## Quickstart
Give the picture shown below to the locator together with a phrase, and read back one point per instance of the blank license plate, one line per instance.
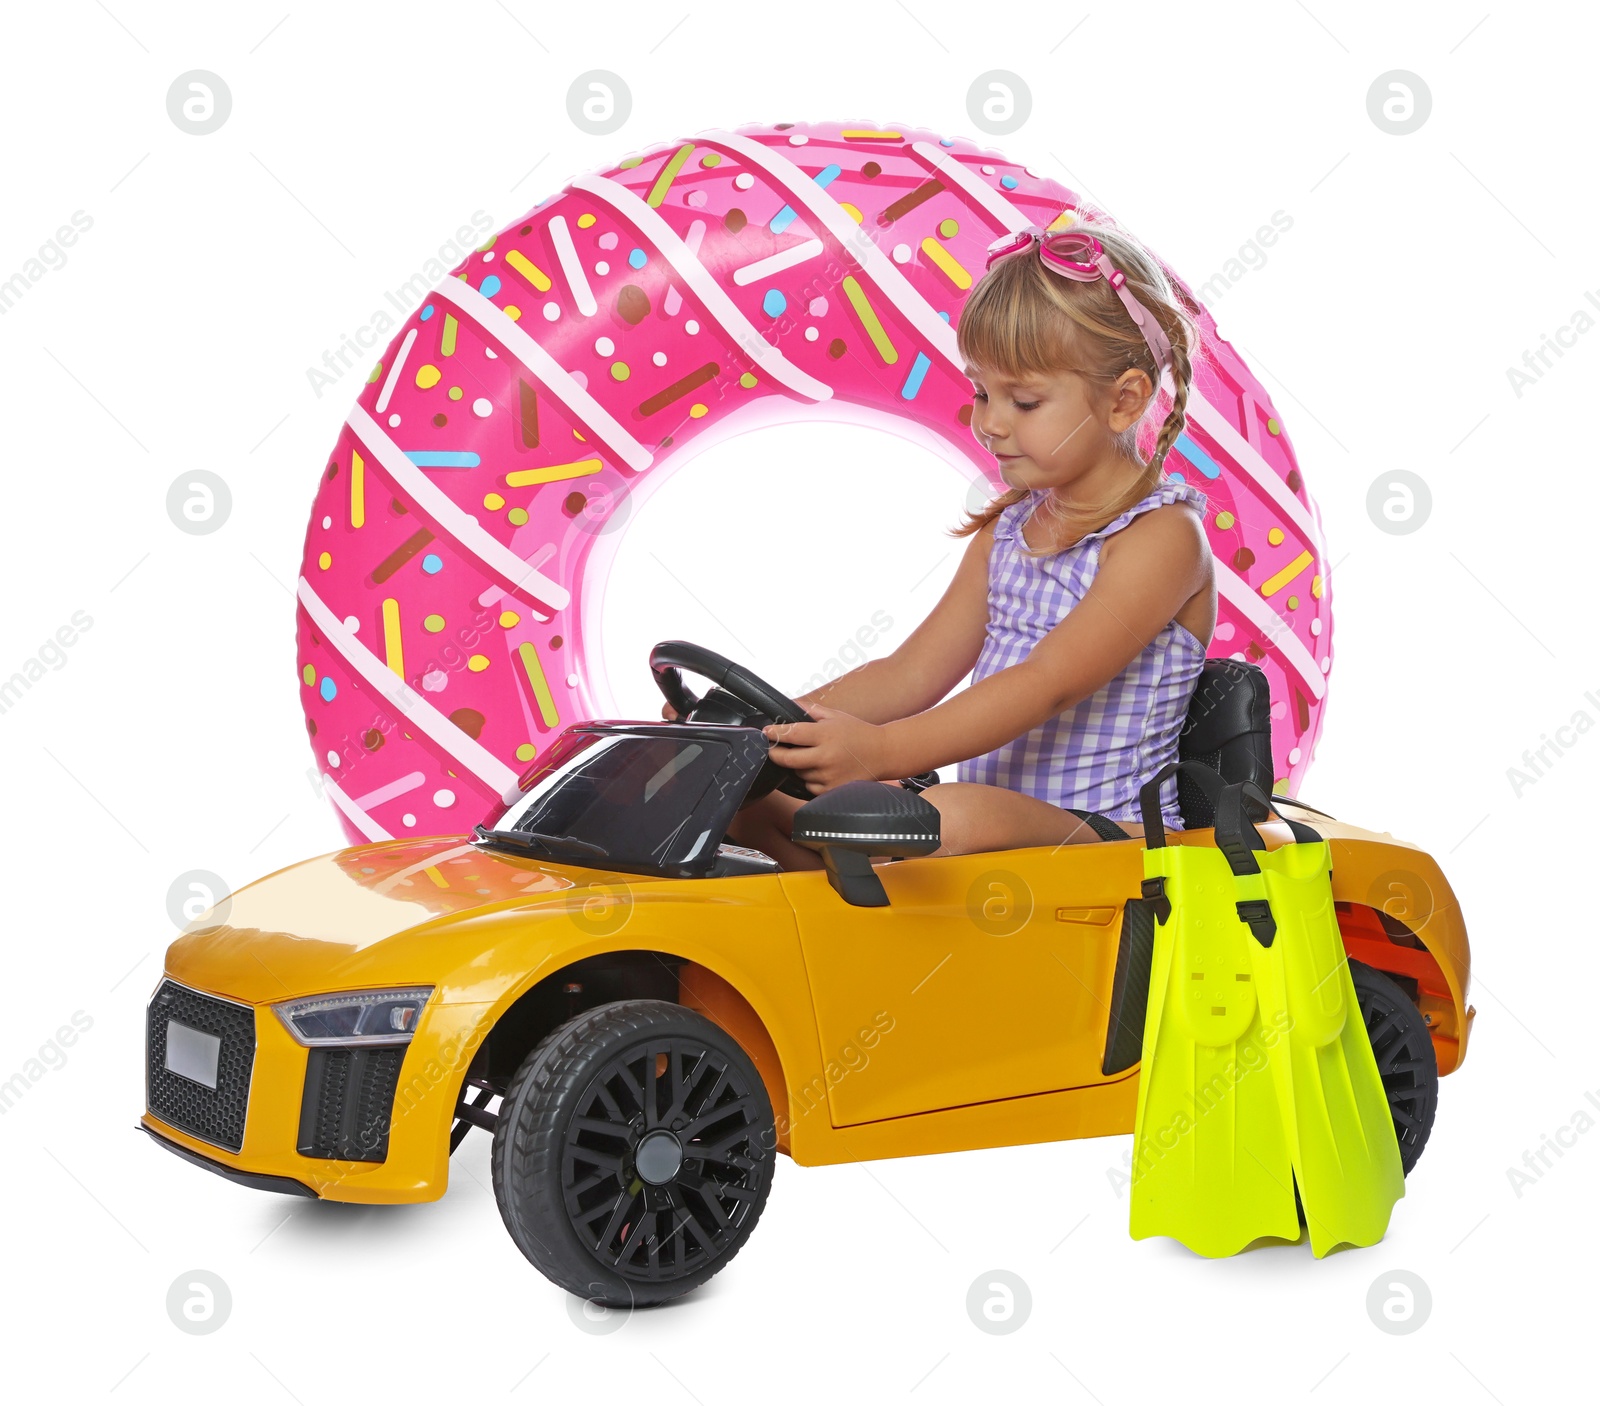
(193, 1053)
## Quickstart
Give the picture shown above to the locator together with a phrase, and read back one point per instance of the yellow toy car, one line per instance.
(644, 1016)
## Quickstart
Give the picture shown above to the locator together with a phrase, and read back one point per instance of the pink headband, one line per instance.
(1078, 255)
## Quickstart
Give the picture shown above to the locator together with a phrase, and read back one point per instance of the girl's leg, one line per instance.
(973, 819)
(765, 825)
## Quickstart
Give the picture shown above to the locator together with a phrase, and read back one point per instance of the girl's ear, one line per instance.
(1130, 396)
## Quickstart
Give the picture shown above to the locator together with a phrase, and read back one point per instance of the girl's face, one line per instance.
(1048, 431)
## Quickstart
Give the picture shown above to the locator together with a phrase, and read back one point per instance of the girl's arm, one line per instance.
(934, 658)
(1161, 560)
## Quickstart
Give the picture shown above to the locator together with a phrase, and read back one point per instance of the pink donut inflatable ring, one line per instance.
(456, 553)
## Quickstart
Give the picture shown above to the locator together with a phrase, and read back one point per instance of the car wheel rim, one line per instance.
(662, 1164)
(1403, 1066)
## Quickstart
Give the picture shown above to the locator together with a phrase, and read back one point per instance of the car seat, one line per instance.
(1229, 728)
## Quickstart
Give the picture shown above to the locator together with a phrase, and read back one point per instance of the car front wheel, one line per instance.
(633, 1152)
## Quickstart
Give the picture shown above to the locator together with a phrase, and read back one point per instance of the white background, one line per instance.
(219, 268)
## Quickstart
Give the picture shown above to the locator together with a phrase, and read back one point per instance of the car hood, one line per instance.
(364, 915)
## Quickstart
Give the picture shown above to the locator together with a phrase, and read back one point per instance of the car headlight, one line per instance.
(355, 1017)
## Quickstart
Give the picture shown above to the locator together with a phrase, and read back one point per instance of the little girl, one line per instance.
(1085, 601)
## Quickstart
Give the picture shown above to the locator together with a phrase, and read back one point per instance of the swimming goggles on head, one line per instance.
(1078, 255)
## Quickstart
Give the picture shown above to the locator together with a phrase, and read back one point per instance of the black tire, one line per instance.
(567, 1148)
(1405, 1055)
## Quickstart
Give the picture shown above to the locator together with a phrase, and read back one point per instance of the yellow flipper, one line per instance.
(1336, 1116)
(1257, 1076)
(1211, 1164)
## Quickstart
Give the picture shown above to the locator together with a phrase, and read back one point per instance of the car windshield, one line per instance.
(618, 798)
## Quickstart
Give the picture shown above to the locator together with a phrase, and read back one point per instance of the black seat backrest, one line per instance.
(1229, 728)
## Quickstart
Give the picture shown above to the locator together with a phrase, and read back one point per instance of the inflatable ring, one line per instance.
(456, 551)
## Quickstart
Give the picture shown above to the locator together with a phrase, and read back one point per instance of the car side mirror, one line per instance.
(862, 818)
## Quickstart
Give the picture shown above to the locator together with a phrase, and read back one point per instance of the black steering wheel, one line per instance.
(739, 697)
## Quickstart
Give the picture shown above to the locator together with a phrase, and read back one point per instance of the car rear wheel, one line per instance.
(1406, 1060)
(633, 1152)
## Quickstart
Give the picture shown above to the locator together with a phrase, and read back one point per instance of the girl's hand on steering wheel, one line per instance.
(669, 713)
(836, 748)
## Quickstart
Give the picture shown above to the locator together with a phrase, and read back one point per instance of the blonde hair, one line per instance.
(1023, 320)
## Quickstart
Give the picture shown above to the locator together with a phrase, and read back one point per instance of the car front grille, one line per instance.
(213, 1115)
(348, 1101)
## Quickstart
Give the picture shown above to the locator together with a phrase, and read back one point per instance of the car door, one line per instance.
(986, 977)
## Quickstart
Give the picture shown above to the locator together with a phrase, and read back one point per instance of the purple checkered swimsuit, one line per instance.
(1096, 754)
